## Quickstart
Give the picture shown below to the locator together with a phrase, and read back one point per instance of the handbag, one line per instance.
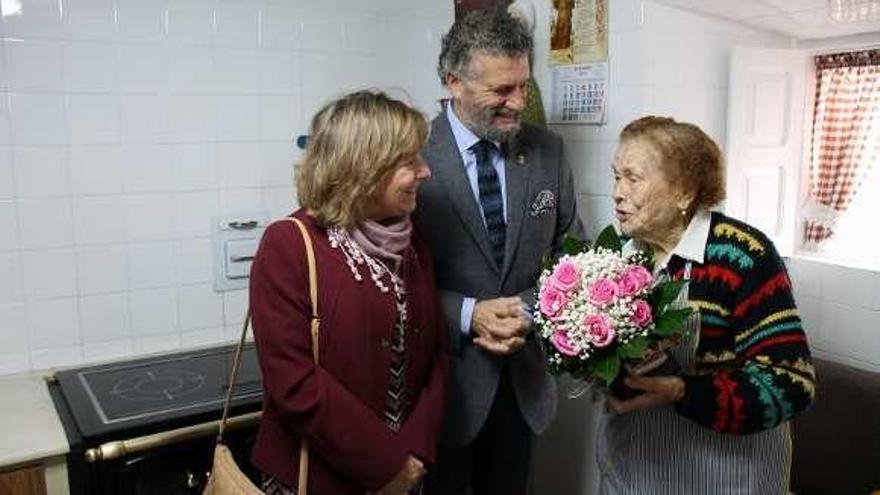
(226, 477)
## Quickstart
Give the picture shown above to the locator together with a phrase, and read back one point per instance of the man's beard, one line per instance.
(480, 123)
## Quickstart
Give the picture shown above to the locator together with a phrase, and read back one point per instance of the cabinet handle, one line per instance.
(247, 225)
(121, 448)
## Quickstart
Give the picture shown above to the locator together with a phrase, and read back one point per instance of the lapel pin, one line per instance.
(521, 159)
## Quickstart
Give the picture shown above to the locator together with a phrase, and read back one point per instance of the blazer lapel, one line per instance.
(517, 181)
(449, 171)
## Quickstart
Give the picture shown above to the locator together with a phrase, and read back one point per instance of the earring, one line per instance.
(684, 213)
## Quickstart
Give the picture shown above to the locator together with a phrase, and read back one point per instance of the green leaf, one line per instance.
(573, 245)
(634, 349)
(664, 294)
(609, 239)
(606, 366)
(671, 321)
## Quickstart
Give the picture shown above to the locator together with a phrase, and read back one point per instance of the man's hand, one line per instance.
(408, 477)
(500, 325)
(658, 390)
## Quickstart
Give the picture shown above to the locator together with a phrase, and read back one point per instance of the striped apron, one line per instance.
(658, 452)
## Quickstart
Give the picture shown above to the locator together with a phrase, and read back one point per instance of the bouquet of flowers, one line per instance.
(598, 309)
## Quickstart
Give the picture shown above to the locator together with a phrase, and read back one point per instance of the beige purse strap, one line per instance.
(302, 484)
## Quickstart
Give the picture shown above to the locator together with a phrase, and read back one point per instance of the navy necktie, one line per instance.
(491, 199)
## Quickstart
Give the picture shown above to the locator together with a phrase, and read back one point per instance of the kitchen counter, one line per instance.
(29, 426)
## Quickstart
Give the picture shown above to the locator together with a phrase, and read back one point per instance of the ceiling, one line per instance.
(801, 19)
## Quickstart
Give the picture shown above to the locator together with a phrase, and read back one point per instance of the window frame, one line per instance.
(801, 250)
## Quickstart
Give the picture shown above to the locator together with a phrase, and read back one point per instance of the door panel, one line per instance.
(764, 136)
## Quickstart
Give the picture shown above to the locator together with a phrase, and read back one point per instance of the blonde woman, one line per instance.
(371, 410)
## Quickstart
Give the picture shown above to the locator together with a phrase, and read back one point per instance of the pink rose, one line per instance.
(628, 284)
(563, 344)
(641, 275)
(599, 329)
(641, 312)
(552, 301)
(566, 276)
(603, 291)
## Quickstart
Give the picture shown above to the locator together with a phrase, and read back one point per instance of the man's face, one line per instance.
(491, 95)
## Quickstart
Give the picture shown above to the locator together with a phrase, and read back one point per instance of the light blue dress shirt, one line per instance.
(464, 139)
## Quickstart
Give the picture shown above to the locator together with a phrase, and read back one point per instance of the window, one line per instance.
(840, 213)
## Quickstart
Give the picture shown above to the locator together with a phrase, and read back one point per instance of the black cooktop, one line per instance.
(157, 393)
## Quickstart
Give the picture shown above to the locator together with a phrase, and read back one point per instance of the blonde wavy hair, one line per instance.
(355, 142)
(690, 157)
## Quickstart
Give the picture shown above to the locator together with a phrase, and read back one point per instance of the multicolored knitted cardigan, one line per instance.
(753, 368)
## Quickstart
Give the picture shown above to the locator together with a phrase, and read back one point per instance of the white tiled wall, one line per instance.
(126, 124)
(840, 307)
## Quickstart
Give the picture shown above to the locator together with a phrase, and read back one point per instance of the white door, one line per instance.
(765, 130)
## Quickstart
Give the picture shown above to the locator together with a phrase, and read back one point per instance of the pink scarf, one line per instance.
(384, 242)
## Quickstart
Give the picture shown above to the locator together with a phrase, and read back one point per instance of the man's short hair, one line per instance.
(490, 31)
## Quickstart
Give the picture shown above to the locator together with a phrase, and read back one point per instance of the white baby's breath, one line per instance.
(594, 265)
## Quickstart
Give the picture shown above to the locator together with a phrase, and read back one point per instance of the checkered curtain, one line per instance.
(846, 136)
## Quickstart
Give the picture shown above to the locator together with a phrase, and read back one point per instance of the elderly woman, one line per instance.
(372, 408)
(720, 427)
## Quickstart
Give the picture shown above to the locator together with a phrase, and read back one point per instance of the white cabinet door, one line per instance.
(765, 130)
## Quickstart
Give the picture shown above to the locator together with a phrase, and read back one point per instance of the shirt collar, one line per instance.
(464, 137)
(691, 246)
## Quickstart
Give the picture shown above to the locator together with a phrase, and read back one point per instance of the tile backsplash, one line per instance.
(840, 308)
(126, 125)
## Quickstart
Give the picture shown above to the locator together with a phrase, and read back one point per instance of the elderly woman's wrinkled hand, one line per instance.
(658, 390)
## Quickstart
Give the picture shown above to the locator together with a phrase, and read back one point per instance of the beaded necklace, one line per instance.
(355, 256)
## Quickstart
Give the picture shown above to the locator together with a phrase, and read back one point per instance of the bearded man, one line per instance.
(501, 198)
